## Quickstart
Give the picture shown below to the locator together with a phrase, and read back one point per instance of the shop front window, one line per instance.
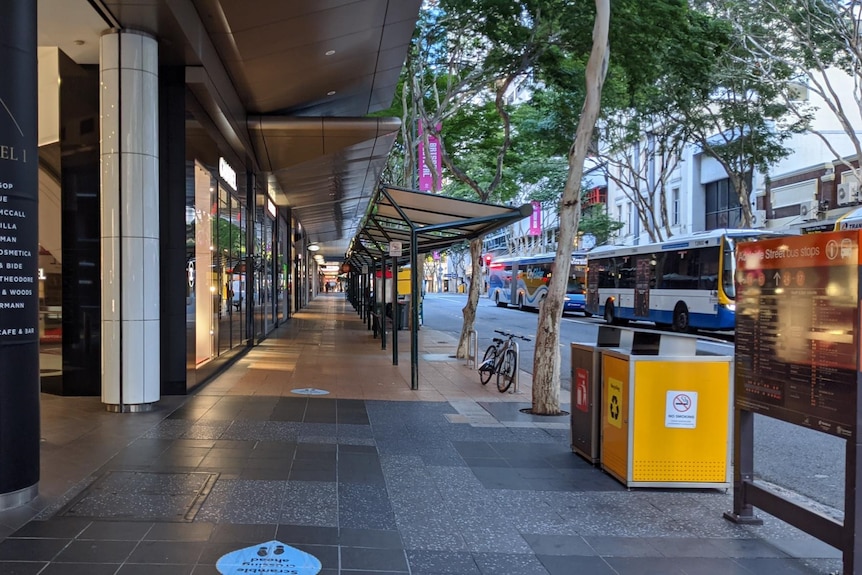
(216, 267)
(202, 267)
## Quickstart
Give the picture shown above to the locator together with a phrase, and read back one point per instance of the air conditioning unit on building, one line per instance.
(848, 193)
(758, 219)
(808, 210)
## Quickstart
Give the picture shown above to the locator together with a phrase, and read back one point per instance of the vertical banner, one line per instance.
(536, 219)
(19, 254)
(426, 181)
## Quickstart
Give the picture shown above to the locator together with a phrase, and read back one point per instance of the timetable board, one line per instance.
(797, 325)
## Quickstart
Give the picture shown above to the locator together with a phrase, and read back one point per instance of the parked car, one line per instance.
(575, 300)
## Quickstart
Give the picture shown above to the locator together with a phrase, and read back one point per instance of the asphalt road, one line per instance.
(802, 461)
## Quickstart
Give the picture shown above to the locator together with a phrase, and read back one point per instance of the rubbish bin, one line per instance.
(403, 314)
(666, 418)
(587, 382)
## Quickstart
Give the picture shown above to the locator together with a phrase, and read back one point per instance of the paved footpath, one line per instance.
(247, 475)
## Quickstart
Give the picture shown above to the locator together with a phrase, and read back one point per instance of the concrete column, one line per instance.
(130, 221)
(19, 255)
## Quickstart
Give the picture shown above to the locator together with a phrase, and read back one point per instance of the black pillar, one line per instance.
(19, 255)
(177, 340)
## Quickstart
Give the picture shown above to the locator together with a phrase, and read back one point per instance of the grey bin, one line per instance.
(587, 382)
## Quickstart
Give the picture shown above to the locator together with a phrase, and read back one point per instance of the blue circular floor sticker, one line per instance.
(271, 558)
(309, 391)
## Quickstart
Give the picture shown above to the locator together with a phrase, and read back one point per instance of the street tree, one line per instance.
(546, 358)
(810, 52)
(640, 150)
(468, 58)
(730, 113)
(596, 222)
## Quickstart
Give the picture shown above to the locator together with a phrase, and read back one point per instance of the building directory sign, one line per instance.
(19, 252)
(797, 328)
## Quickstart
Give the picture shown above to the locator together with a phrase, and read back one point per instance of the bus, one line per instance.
(684, 283)
(523, 281)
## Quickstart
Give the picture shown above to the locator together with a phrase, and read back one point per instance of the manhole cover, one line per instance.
(309, 391)
(143, 496)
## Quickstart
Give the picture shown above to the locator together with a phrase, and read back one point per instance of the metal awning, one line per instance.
(421, 223)
(438, 222)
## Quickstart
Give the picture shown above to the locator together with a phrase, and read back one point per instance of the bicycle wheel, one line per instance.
(486, 368)
(506, 371)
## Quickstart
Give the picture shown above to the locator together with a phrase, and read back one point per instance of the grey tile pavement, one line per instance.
(373, 487)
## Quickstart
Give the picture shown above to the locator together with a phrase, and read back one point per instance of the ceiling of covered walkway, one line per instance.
(289, 84)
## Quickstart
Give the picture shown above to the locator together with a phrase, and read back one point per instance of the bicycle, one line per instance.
(501, 358)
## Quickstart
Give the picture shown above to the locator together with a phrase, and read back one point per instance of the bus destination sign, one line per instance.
(797, 321)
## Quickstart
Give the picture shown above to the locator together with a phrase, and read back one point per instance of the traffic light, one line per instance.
(487, 259)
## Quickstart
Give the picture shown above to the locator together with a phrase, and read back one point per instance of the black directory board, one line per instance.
(797, 326)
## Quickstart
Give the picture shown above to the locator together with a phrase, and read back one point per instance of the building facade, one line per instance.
(163, 174)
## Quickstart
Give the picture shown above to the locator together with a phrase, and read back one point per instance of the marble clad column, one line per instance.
(19, 255)
(130, 220)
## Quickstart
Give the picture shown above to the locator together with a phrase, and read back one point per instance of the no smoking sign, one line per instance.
(681, 409)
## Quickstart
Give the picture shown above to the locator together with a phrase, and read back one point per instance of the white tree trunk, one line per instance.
(469, 309)
(546, 361)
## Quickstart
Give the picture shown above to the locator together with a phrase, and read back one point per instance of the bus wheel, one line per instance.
(680, 318)
(497, 300)
(609, 312)
(521, 303)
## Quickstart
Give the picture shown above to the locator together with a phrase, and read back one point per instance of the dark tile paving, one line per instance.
(379, 487)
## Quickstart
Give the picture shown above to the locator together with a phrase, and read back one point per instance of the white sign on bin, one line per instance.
(395, 249)
(681, 410)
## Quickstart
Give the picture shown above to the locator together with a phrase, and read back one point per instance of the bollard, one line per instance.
(472, 349)
(515, 386)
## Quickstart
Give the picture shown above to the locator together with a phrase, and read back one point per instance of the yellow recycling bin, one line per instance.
(666, 419)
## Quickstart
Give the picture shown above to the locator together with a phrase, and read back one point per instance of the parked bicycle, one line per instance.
(501, 358)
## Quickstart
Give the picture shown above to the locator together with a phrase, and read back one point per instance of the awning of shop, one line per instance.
(419, 222)
(852, 220)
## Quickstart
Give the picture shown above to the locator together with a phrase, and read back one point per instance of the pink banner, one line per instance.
(425, 178)
(536, 219)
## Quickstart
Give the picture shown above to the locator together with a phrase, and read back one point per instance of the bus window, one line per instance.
(574, 286)
(709, 269)
(729, 270)
(627, 272)
(680, 270)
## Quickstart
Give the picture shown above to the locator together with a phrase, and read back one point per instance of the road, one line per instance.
(442, 311)
(803, 461)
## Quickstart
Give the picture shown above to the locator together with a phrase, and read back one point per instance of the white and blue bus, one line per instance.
(523, 281)
(685, 283)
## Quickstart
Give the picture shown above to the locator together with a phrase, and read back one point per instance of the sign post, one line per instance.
(797, 360)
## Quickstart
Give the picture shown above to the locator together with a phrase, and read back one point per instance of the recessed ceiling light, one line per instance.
(78, 42)
(329, 52)
(331, 93)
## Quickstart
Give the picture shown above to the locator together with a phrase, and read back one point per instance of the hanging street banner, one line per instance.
(535, 219)
(426, 180)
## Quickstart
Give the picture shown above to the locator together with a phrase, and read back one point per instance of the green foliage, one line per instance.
(598, 223)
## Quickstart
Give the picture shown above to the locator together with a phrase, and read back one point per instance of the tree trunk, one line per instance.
(469, 309)
(546, 360)
(744, 200)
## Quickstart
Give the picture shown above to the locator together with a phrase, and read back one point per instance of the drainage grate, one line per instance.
(143, 496)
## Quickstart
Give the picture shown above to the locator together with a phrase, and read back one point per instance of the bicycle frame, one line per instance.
(498, 363)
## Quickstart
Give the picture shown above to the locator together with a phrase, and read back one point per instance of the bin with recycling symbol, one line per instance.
(666, 418)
